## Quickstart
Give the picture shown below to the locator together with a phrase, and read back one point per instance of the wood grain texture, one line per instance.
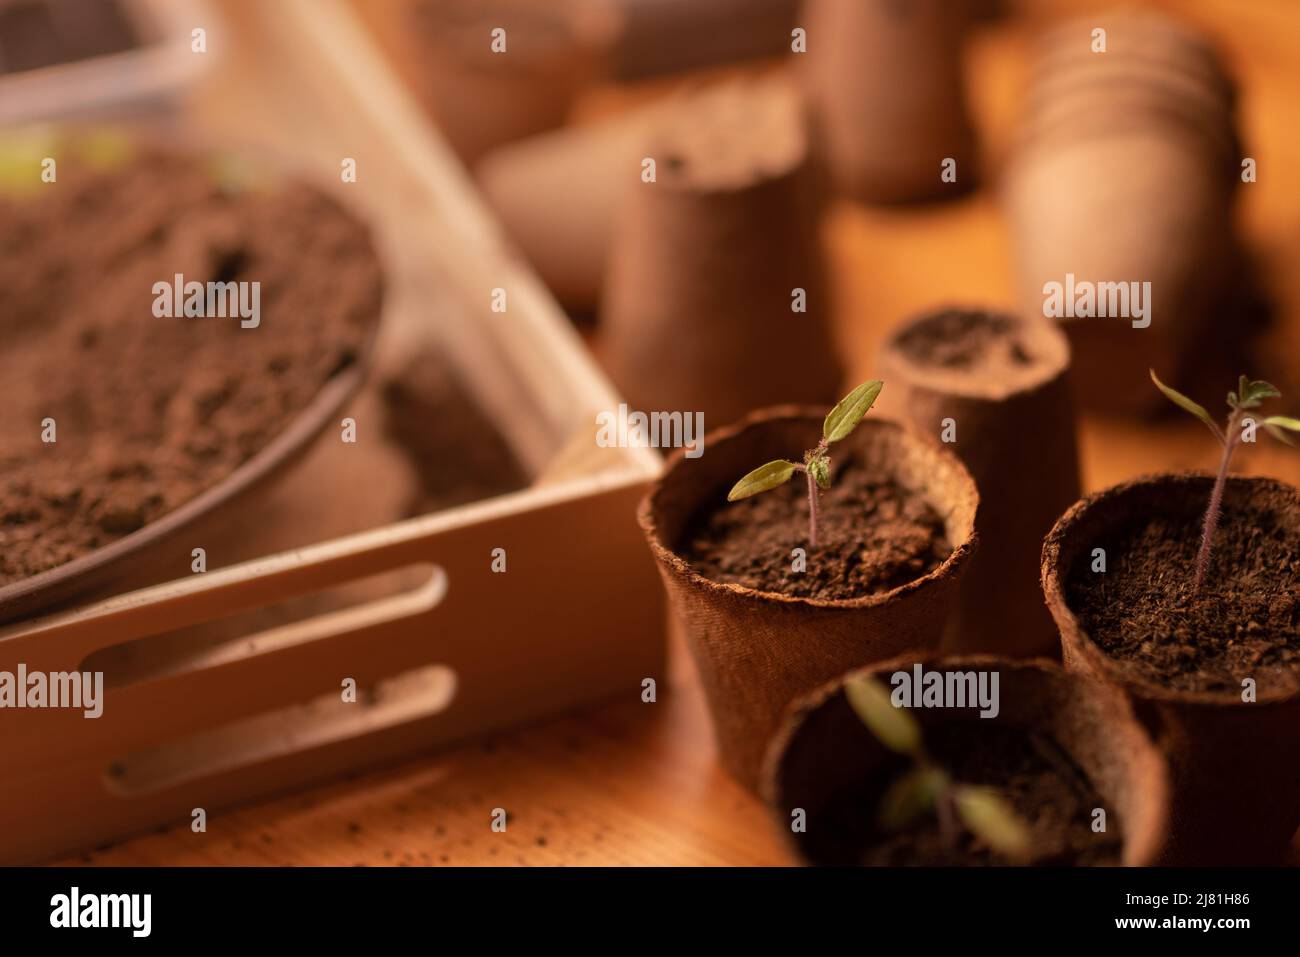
(636, 783)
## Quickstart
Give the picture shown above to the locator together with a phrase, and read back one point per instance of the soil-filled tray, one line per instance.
(415, 562)
(178, 325)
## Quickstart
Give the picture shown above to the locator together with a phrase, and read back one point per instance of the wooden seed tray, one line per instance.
(457, 649)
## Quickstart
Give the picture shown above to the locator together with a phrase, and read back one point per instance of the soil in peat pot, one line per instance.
(37, 33)
(150, 411)
(875, 536)
(1048, 791)
(966, 340)
(1244, 621)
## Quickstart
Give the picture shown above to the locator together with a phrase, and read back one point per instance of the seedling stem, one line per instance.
(926, 787)
(812, 510)
(1248, 395)
(816, 465)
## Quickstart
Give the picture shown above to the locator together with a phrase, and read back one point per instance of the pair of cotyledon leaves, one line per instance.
(840, 421)
(920, 789)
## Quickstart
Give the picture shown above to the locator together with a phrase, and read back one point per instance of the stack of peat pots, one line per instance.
(1126, 174)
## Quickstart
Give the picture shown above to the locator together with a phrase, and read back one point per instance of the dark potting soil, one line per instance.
(962, 339)
(37, 33)
(457, 452)
(150, 411)
(874, 535)
(1048, 791)
(1244, 622)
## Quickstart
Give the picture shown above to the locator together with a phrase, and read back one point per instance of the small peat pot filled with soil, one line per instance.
(1218, 667)
(1185, 590)
(767, 613)
(967, 761)
(177, 326)
(993, 386)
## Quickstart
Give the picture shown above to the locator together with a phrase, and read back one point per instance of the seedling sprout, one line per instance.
(1249, 395)
(927, 788)
(816, 465)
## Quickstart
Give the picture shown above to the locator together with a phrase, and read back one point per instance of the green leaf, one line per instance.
(1274, 424)
(820, 467)
(910, 796)
(846, 415)
(992, 820)
(762, 479)
(893, 727)
(1252, 393)
(1180, 400)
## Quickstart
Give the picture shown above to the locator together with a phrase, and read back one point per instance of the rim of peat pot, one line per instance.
(1142, 773)
(1046, 344)
(1107, 509)
(965, 493)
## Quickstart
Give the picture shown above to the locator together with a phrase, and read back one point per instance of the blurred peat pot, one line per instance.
(560, 195)
(1121, 194)
(716, 299)
(499, 70)
(884, 85)
(1059, 747)
(995, 386)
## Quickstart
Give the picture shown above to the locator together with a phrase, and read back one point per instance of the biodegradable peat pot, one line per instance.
(1125, 174)
(700, 306)
(483, 96)
(1183, 655)
(996, 386)
(757, 649)
(559, 195)
(884, 85)
(672, 36)
(1059, 746)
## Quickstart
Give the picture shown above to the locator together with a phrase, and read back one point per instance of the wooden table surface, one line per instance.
(635, 783)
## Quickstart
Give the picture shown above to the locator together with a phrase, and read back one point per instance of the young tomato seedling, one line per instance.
(1248, 396)
(816, 465)
(927, 787)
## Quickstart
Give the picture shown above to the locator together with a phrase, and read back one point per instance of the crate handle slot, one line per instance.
(377, 599)
(413, 695)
